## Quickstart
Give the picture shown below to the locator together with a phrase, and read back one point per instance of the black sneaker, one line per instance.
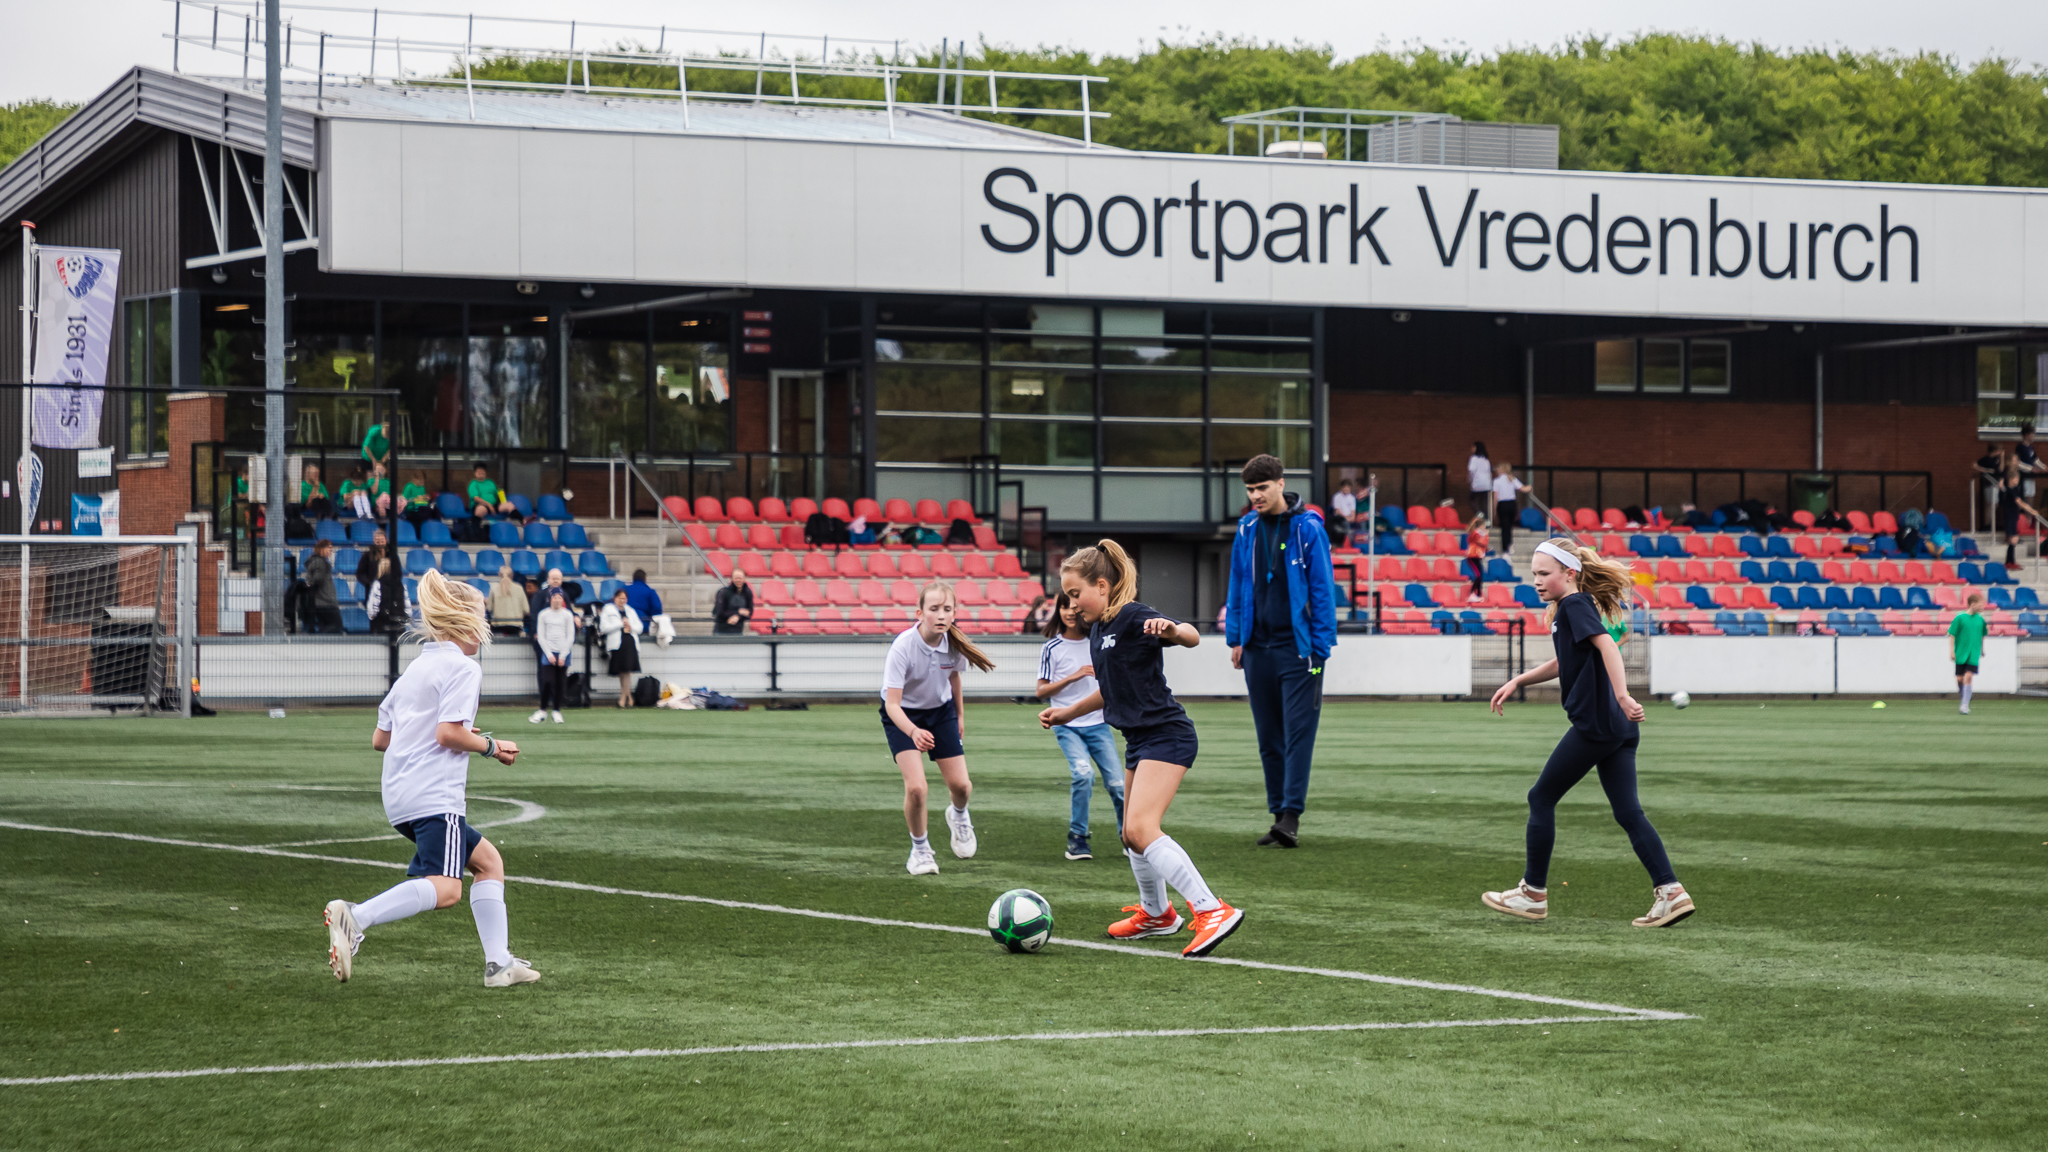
(1077, 848)
(1287, 830)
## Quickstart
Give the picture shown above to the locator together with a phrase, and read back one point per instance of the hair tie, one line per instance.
(1561, 556)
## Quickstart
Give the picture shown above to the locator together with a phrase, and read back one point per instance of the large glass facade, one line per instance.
(146, 332)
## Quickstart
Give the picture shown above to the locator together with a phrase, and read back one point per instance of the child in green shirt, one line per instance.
(1966, 646)
(417, 503)
(486, 499)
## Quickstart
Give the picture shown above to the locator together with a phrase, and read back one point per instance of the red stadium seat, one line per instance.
(930, 511)
(1913, 572)
(1727, 597)
(773, 593)
(1584, 520)
(754, 565)
(865, 623)
(874, 593)
(1725, 545)
(1669, 572)
(1805, 546)
(1859, 523)
(720, 563)
(1671, 599)
(882, 566)
(1696, 545)
(1612, 518)
(793, 536)
(974, 566)
(731, 536)
(903, 593)
(763, 538)
(1697, 572)
(1832, 545)
(1834, 572)
(802, 508)
(773, 510)
(1614, 546)
(677, 507)
(944, 566)
(741, 509)
(961, 510)
(849, 567)
(866, 506)
(842, 593)
(1419, 516)
(1884, 522)
(836, 508)
(818, 566)
(1753, 598)
(1007, 567)
(1444, 570)
(1421, 543)
(999, 592)
(709, 510)
(1803, 518)
(1888, 573)
(1447, 544)
(1500, 596)
(1942, 572)
(701, 535)
(797, 623)
(834, 624)
(985, 538)
(1446, 517)
(968, 593)
(914, 567)
(1725, 573)
(898, 511)
(1860, 572)
(763, 623)
(786, 565)
(808, 594)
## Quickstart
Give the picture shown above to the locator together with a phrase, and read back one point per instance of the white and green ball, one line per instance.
(1681, 699)
(1020, 920)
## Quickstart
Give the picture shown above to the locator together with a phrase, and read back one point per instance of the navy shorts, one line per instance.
(940, 722)
(1172, 742)
(1962, 668)
(444, 844)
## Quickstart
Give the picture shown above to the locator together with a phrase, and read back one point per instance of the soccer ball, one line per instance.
(1020, 920)
(1680, 699)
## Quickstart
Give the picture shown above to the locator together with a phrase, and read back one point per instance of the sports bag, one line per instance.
(646, 692)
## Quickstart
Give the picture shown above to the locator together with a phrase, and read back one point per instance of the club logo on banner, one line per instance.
(74, 327)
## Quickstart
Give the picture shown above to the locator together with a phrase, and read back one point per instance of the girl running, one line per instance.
(1582, 589)
(922, 712)
(1067, 675)
(1125, 645)
(423, 729)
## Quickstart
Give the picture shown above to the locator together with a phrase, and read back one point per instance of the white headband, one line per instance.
(1561, 556)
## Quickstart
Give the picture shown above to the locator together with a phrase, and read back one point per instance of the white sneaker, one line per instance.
(1965, 709)
(517, 972)
(556, 716)
(962, 828)
(1521, 900)
(1668, 905)
(537, 716)
(343, 938)
(922, 862)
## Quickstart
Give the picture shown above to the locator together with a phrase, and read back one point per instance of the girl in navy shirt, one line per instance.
(1126, 641)
(1582, 588)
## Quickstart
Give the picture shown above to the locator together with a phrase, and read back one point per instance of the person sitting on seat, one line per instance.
(509, 604)
(647, 602)
(313, 501)
(380, 490)
(733, 607)
(355, 493)
(419, 500)
(486, 499)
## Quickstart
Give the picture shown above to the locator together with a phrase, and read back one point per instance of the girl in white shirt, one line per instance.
(424, 732)
(1066, 675)
(1479, 474)
(920, 688)
(554, 633)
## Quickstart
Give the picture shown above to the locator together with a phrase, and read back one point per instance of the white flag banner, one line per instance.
(74, 326)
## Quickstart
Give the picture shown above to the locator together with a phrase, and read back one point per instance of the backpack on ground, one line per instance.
(716, 701)
(577, 690)
(646, 692)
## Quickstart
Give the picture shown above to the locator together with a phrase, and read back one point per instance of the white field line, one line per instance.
(1098, 945)
(820, 1046)
(528, 810)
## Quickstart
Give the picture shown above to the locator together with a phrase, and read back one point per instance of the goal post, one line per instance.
(97, 622)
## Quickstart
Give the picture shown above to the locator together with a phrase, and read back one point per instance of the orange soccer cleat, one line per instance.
(1211, 927)
(1139, 924)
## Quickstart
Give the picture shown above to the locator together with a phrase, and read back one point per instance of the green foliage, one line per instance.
(24, 123)
(1651, 103)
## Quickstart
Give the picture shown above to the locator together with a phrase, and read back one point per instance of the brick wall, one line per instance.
(156, 496)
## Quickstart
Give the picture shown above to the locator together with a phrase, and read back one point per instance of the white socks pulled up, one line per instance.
(1151, 889)
(1170, 862)
(487, 904)
(411, 898)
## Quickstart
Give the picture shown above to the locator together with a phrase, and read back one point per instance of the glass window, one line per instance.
(229, 341)
(147, 331)
(1286, 357)
(423, 359)
(334, 338)
(1998, 371)
(692, 405)
(1043, 442)
(1238, 442)
(1614, 366)
(913, 438)
(931, 312)
(1152, 445)
(1258, 398)
(1706, 366)
(1043, 391)
(917, 388)
(508, 393)
(607, 387)
(926, 346)
(1663, 365)
(136, 333)
(1155, 396)
(1151, 354)
(1044, 352)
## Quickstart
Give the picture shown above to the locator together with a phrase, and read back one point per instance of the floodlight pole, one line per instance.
(273, 324)
(23, 474)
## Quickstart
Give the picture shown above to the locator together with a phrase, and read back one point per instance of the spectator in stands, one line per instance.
(733, 607)
(2009, 505)
(1507, 494)
(380, 490)
(1990, 470)
(619, 624)
(355, 493)
(366, 568)
(486, 499)
(377, 447)
(387, 605)
(509, 606)
(642, 596)
(314, 503)
(1281, 624)
(325, 611)
(2030, 462)
(554, 636)
(858, 532)
(1479, 478)
(1475, 555)
(1344, 511)
(419, 500)
(1040, 617)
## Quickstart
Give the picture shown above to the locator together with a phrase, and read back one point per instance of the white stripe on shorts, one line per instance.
(448, 853)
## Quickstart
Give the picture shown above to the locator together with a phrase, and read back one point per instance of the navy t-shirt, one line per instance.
(1130, 670)
(1272, 609)
(1582, 675)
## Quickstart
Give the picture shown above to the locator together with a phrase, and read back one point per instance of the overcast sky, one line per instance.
(72, 49)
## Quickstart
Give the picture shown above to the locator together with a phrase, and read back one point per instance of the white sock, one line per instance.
(1151, 889)
(1966, 694)
(487, 904)
(1171, 862)
(920, 842)
(408, 899)
(956, 812)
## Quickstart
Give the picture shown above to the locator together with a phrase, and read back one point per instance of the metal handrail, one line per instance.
(661, 510)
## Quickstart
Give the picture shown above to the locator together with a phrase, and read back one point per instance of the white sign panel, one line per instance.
(441, 199)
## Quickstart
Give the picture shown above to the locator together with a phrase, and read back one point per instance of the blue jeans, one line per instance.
(1097, 742)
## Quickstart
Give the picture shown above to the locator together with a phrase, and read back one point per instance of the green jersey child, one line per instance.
(1966, 645)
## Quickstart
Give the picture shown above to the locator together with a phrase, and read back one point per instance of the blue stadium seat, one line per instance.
(559, 559)
(456, 562)
(609, 589)
(1782, 597)
(1999, 598)
(1883, 546)
(1418, 596)
(1525, 595)
(363, 532)
(1807, 572)
(330, 530)
(1970, 572)
(1855, 542)
(1838, 622)
(1937, 522)
(1391, 544)
(489, 561)
(585, 592)
(346, 591)
(551, 507)
(522, 505)
(412, 590)
(1779, 572)
(1752, 547)
(1837, 597)
(1890, 599)
(419, 562)
(593, 563)
(1995, 573)
(1779, 547)
(2024, 597)
(1863, 598)
(1918, 600)
(408, 536)
(435, 534)
(572, 535)
(540, 536)
(1808, 597)
(2033, 625)
(1499, 571)
(354, 621)
(1728, 624)
(1444, 622)
(1395, 518)
(1753, 571)
(1755, 624)
(505, 534)
(1697, 597)
(482, 586)
(296, 539)
(1641, 545)
(1868, 623)
(1531, 519)
(525, 564)
(347, 559)
(450, 506)
(1473, 624)
(1669, 547)
(1967, 546)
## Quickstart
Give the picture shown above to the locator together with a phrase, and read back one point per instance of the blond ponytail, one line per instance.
(1106, 561)
(959, 640)
(451, 612)
(1609, 582)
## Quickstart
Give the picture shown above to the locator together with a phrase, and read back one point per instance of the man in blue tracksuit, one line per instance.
(1280, 623)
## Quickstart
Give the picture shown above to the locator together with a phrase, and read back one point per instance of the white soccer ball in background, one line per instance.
(1680, 699)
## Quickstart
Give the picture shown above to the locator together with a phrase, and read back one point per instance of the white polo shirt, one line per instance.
(1059, 659)
(924, 671)
(421, 778)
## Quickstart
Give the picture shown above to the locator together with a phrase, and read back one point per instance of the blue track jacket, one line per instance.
(1311, 587)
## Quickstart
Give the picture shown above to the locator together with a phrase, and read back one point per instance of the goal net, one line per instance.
(90, 625)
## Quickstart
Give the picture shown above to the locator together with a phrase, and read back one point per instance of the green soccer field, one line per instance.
(1866, 969)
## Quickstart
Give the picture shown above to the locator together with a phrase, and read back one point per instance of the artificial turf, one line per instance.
(1865, 971)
